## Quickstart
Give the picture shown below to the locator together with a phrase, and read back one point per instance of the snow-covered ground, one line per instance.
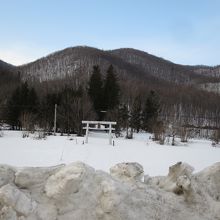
(155, 158)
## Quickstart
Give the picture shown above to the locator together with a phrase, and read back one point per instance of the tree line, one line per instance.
(101, 99)
(105, 96)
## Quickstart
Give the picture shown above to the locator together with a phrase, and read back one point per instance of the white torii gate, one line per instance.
(98, 123)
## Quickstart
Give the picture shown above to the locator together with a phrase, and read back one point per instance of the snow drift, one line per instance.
(77, 191)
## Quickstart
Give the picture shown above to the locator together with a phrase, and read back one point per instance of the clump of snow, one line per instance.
(178, 176)
(16, 199)
(29, 176)
(127, 171)
(7, 175)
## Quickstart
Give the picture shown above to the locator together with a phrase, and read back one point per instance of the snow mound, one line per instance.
(127, 171)
(77, 191)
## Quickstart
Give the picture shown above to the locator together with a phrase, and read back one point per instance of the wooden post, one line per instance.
(87, 133)
(110, 134)
(55, 119)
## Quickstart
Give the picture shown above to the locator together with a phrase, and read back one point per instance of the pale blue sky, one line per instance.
(183, 31)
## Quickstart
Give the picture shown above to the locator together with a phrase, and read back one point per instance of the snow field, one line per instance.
(155, 158)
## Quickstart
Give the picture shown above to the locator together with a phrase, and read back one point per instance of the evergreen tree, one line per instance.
(136, 114)
(67, 98)
(29, 106)
(24, 97)
(122, 118)
(70, 111)
(14, 109)
(151, 111)
(95, 91)
(111, 89)
(46, 110)
(33, 102)
(21, 106)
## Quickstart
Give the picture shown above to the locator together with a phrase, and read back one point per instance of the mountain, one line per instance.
(78, 62)
(134, 67)
(158, 67)
(6, 66)
(187, 93)
(9, 79)
(207, 70)
(8, 73)
(127, 61)
(7, 70)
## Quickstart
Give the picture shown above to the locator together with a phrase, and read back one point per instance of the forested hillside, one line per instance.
(63, 78)
(9, 80)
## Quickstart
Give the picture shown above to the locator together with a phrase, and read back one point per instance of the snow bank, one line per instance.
(77, 191)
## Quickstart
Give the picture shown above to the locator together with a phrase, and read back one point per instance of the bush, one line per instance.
(184, 134)
(159, 132)
(40, 135)
(216, 136)
(25, 134)
(1, 133)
